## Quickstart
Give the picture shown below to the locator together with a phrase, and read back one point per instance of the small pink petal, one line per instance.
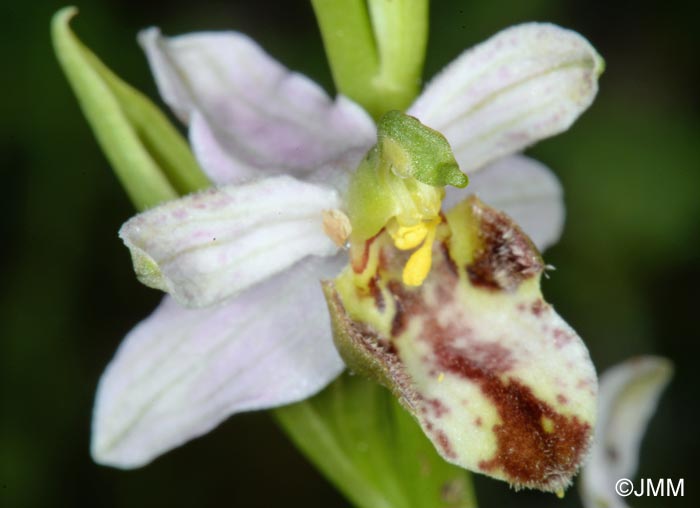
(524, 84)
(246, 111)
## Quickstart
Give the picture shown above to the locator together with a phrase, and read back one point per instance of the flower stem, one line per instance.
(376, 49)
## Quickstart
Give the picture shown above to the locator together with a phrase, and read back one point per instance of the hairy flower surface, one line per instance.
(245, 325)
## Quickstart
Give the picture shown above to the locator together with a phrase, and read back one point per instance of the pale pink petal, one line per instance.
(246, 111)
(181, 372)
(524, 84)
(523, 188)
(629, 394)
(209, 246)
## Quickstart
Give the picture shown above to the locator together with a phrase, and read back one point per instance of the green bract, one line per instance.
(147, 153)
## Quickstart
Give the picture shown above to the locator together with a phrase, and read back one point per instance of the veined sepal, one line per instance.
(496, 379)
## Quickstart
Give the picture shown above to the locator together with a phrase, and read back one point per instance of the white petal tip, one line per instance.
(629, 394)
(524, 84)
(207, 247)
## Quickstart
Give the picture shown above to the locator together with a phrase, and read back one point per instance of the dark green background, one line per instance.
(627, 267)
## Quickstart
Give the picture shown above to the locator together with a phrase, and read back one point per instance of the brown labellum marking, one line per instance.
(538, 307)
(437, 407)
(486, 357)
(528, 450)
(445, 444)
(402, 314)
(360, 264)
(363, 349)
(449, 262)
(536, 446)
(506, 257)
(376, 293)
(561, 337)
(387, 346)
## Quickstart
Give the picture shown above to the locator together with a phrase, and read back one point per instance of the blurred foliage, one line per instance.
(627, 268)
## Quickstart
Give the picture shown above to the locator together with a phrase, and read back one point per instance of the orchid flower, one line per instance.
(500, 383)
(629, 394)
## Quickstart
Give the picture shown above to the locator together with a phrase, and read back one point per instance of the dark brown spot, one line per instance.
(526, 452)
(449, 262)
(402, 315)
(386, 345)
(538, 307)
(359, 262)
(486, 357)
(376, 293)
(507, 257)
(478, 422)
(561, 399)
(439, 409)
(561, 338)
(445, 444)
(400, 321)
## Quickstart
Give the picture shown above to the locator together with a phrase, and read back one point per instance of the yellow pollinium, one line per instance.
(410, 237)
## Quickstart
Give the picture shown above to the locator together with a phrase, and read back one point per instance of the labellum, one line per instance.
(496, 379)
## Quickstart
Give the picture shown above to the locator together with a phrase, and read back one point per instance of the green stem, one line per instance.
(376, 49)
(309, 429)
(358, 435)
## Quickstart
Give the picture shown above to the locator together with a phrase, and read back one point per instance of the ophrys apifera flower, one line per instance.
(245, 325)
